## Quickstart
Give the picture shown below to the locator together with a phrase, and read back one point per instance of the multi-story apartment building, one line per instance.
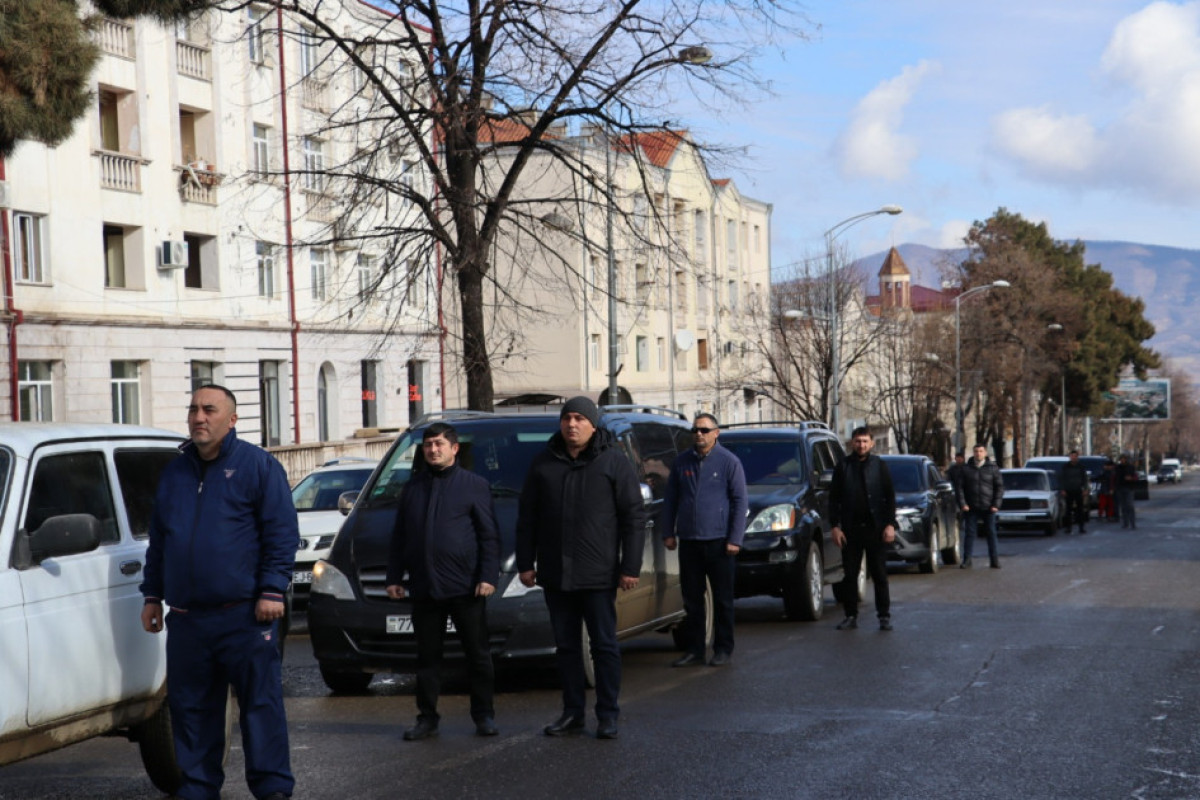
(187, 233)
(691, 269)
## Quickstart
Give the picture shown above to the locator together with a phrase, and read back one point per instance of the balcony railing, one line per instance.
(114, 37)
(198, 185)
(193, 60)
(119, 171)
(315, 94)
(319, 206)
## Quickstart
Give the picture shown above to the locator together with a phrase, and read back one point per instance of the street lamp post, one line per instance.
(959, 432)
(834, 349)
(1054, 326)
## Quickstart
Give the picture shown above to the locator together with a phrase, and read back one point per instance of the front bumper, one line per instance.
(1025, 520)
(766, 562)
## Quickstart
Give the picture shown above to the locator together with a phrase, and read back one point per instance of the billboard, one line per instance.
(1141, 401)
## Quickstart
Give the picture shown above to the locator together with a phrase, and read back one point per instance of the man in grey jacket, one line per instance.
(705, 509)
(980, 493)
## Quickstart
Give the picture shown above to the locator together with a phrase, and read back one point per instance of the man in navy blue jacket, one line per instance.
(446, 539)
(222, 545)
(705, 508)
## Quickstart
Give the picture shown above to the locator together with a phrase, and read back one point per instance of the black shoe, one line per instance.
(1082, 531)
(688, 660)
(606, 729)
(720, 659)
(424, 729)
(564, 725)
(486, 727)
(966, 564)
(848, 624)
(995, 563)
(885, 623)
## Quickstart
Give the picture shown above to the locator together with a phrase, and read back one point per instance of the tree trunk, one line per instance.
(476, 364)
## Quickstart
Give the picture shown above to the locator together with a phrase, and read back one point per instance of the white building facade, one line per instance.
(182, 235)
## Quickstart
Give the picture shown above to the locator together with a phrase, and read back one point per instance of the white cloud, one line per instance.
(1149, 143)
(872, 146)
(952, 234)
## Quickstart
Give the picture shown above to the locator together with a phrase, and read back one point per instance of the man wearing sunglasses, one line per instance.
(704, 510)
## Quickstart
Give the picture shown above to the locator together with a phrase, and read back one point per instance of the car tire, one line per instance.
(679, 634)
(340, 682)
(156, 746)
(804, 588)
(952, 555)
(930, 565)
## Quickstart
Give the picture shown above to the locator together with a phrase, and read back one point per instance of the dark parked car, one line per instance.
(1093, 464)
(356, 630)
(925, 499)
(787, 551)
(1168, 473)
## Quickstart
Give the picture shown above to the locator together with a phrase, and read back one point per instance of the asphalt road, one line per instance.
(1073, 672)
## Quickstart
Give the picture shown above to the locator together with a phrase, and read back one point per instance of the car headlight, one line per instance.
(1039, 504)
(773, 518)
(906, 518)
(328, 579)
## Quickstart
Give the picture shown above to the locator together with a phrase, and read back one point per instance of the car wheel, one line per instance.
(952, 555)
(931, 564)
(679, 633)
(345, 682)
(156, 746)
(804, 588)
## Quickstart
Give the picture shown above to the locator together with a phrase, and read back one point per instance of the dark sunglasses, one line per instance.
(703, 430)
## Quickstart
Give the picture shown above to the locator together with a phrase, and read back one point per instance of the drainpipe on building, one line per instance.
(287, 227)
(15, 316)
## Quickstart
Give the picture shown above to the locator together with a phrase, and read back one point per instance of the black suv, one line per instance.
(927, 511)
(787, 551)
(356, 630)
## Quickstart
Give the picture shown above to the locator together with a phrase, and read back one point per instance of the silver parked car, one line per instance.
(1030, 502)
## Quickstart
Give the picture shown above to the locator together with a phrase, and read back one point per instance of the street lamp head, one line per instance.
(1000, 284)
(893, 210)
(696, 54)
(794, 313)
(1054, 326)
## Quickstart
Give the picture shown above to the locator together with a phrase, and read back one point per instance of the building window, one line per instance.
(269, 397)
(661, 345)
(204, 373)
(314, 163)
(126, 392)
(35, 384)
(594, 351)
(114, 257)
(365, 270)
(733, 296)
(309, 52)
(701, 298)
(319, 261)
(28, 248)
(201, 271)
(700, 236)
(702, 353)
(643, 354)
(731, 245)
(681, 291)
(645, 286)
(261, 145)
(408, 170)
(255, 34)
(370, 391)
(641, 212)
(326, 382)
(264, 255)
(757, 239)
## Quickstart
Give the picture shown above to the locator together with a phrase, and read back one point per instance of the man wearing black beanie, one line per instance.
(581, 528)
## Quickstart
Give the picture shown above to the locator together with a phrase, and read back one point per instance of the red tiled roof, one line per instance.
(502, 130)
(722, 182)
(659, 146)
(923, 299)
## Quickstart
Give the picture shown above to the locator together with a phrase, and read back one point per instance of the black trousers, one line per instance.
(699, 560)
(569, 612)
(1075, 511)
(469, 615)
(860, 542)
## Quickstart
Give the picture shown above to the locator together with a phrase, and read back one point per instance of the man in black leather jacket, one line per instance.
(1074, 480)
(980, 493)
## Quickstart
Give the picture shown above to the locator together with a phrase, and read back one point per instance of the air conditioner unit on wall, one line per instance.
(173, 255)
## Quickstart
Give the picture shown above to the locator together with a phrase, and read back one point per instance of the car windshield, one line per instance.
(500, 451)
(1026, 481)
(906, 475)
(320, 491)
(766, 462)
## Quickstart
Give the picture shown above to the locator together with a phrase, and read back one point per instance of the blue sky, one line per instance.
(1084, 114)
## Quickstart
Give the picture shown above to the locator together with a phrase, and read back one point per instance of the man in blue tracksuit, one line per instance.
(705, 509)
(222, 545)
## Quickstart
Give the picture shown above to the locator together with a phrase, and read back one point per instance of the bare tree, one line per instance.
(454, 101)
(914, 386)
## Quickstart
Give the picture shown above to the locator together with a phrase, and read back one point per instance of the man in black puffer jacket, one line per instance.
(581, 528)
(980, 492)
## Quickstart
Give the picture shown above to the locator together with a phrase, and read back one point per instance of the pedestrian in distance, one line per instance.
(229, 500)
(704, 513)
(446, 540)
(1074, 480)
(1126, 481)
(955, 475)
(1106, 505)
(862, 511)
(980, 494)
(581, 527)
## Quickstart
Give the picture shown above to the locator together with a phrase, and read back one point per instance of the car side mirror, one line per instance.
(945, 486)
(647, 494)
(825, 479)
(64, 535)
(346, 501)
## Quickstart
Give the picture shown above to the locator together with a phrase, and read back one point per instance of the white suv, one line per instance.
(76, 502)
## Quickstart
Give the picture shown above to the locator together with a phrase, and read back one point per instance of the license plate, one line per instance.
(402, 623)
(302, 576)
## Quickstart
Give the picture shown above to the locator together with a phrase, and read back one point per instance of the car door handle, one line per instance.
(131, 567)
